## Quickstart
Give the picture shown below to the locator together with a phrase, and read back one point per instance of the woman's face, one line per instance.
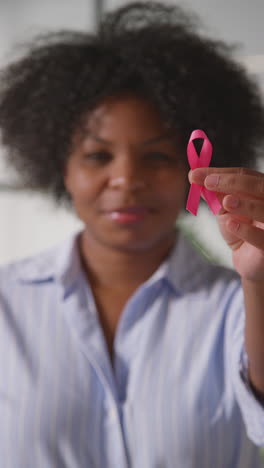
(126, 176)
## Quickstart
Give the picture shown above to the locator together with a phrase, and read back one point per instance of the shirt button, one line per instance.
(112, 414)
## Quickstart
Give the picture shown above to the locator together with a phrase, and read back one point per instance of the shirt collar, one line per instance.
(61, 263)
(183, 268)
(186, 267)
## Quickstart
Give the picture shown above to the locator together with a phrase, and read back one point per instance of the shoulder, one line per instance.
(41, 266)
(195, 272)
(211, 291)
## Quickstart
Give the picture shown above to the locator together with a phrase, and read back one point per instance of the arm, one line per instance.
(242, 226)
(254, 334)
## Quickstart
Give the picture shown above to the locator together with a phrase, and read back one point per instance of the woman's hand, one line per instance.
(241, 220)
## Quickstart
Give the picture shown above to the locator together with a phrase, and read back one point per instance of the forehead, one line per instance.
(127, 113)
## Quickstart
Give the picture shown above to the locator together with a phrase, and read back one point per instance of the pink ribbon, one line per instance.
(200, 161)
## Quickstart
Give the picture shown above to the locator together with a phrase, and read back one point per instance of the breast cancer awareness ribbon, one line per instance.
(203, 160)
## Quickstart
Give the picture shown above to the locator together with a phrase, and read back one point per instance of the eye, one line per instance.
(98, 157)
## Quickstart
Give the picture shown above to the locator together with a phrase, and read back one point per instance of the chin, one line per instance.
(138, 244)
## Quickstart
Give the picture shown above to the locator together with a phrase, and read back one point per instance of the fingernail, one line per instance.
(197, 176)
(212, 180)
(232, 202)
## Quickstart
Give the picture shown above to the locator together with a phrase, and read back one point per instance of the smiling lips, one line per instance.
(128, 215)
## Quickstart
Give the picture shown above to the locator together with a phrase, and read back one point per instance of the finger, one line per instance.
(230, 237)
(236, 184)
(220, 197)
(254, 235)
(198, 175)
(251, 208)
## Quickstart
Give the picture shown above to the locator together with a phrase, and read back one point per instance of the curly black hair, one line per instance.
(150, 49)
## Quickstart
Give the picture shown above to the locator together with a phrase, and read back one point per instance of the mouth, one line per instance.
(128, 215)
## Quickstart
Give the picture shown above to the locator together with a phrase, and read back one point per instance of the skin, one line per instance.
(124, 157)
(241, 222)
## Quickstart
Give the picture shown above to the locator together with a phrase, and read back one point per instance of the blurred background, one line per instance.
(32, 223)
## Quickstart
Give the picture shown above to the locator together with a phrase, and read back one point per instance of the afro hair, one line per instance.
(150, 49)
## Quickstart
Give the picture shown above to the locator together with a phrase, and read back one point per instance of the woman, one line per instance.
(122, 347)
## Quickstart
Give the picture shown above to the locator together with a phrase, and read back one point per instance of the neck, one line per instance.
(120, 269)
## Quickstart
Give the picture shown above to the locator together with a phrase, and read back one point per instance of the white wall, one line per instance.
(30, 224)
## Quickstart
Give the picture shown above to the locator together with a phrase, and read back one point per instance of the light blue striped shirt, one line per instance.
(174, 397)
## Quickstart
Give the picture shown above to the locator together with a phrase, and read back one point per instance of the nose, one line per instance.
(126, 175)
(125, 183)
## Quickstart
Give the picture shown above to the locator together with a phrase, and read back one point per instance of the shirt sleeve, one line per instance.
(251, 407)
(244, 373)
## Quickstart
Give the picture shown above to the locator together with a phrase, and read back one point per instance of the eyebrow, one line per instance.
(143, 143)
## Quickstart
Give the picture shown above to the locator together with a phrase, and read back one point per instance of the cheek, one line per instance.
(82, 186)
(176, 192)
